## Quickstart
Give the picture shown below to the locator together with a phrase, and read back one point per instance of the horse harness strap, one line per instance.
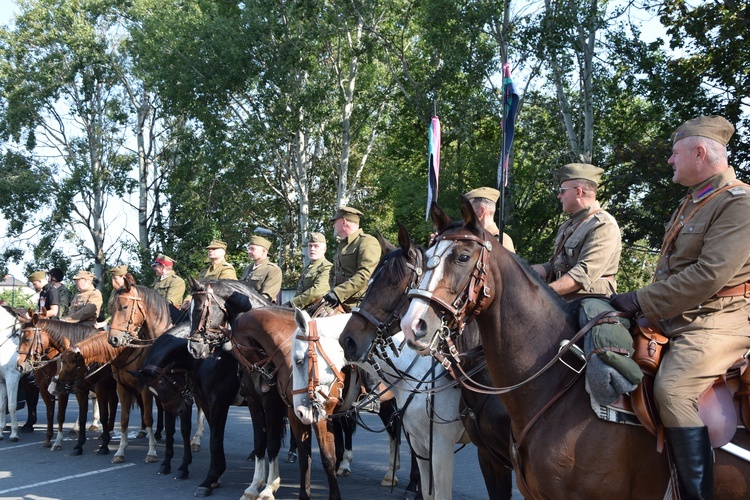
(312, 363)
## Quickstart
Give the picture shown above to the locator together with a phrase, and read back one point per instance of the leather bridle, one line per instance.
(204, 332)
(180, 391)
(37, 351)
(475, 295)
(132, 328)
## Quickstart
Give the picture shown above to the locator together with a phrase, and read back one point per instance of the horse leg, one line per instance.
(10, 394)
(218, 411)
(159, 420)
(275, 423)
(260, 442)
(32, 400)
(61, 408)
(106, 396)
(83, 410)
(327, 445)
(186, 424)
(126, 401)
(414, 488)
(96, 413)
(49, 403)
(169, 428)
(392, 423)
(195, 442)
(497, 477)
(142, 432)
(148, 419)
(348, 426)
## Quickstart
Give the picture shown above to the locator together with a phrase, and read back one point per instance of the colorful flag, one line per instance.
(510, 108)
(433, 163)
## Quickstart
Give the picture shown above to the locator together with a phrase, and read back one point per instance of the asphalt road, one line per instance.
(29, 471)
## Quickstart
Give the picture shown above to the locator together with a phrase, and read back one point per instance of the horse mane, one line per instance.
(96, 348)
(237, 293)
(394, 264)
(59, 330)
(152, 300)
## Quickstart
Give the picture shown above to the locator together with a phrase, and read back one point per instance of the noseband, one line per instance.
(473, 299)
(313, 382)
(36, 350)
(384, 329)
(180, 392)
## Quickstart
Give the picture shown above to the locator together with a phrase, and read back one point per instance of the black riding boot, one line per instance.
(692, 455)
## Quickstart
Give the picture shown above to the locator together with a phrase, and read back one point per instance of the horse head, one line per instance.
(377, 317)
(70, 368)
(139, 315)
(456, 287)
(317, 360)
(33, 344)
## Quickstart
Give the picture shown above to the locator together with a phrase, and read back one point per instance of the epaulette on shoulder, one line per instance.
(227, 264)
(738, 190)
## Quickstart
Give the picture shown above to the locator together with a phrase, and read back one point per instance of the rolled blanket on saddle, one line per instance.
(611, 370)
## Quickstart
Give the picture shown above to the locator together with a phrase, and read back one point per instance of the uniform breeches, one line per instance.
(694, 360)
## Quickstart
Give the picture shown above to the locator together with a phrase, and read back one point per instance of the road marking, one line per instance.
(67, 478)
(20, 446)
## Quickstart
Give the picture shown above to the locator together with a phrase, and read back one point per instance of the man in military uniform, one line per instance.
(356, 258)
(56, 277)
(88, 301)
(49, 297)
(168, 284)
(314, 281)
(588, 244)
(699, 294)
(219, 268)
(484, 201)
(262, 275)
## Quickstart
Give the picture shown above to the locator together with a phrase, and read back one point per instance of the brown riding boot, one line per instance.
(691, 452)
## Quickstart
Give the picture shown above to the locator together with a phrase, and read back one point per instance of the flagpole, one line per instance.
(500, 208)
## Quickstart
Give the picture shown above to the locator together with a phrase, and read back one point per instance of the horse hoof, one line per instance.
(27, 430)
(151, 459)
(164, 469)
(76, 453)
(13, 439)
(202, 491)
(117, 459)
(73, 432)
(94, 428)
(57, 447)
(47, 444)
(182, 475)
(140, 435)
(103, 451)
(195, 447)
(389, 482)
(343, 472)
(291, 457)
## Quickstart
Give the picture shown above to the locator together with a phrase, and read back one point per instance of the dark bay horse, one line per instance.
(176, 377)
(139, 316)
(375, 321)
(83, 367)
(561, 449)
(41, 341)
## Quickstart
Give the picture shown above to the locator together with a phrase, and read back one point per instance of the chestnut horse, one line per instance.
(139, 316)
(42, 341)
(176, 377)
(83, 367)
(561, 448)
(376, 319)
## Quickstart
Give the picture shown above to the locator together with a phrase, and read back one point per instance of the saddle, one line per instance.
(725, 403)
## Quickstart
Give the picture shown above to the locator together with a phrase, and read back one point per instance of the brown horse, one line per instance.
(85, 367)
(375, 321)
(560, 447)
(41, 342)
(139, 316)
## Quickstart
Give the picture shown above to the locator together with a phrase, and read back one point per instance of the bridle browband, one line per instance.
(132, 330)
(473, 299)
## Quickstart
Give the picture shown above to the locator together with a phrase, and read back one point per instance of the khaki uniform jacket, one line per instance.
(265, 277)
(711, 251)
(356, 258)
(588, 247)
(171, 287)
(85, 307)
(313, 283)
(221, 271)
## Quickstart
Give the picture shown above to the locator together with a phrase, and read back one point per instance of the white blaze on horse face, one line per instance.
(412, 323)
(300, 400)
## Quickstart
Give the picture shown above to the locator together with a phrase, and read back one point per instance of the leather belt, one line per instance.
(741, 290)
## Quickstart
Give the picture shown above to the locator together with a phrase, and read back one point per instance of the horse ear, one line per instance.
(469, 216)
(439, 218)
(385, 245)
(404, 240)
(126, 286)
(301, 318)
(196, 285)
(34, 319)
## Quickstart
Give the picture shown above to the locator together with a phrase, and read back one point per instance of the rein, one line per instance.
(132, 330)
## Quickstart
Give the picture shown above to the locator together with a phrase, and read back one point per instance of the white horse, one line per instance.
(428, 398)
(9, 376)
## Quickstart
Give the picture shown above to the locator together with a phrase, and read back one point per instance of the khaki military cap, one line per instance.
(484, 192)
(119, 271)
(316, 238)
(348, 213)
(216, 244)
(37, 276)
(260, 241)
(84, 275)
(714, 127)
(163, 260)
(579, 171)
